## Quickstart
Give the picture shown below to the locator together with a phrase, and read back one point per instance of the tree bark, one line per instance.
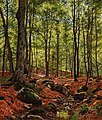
(78, 64)
(96, 55)
(7, 42)
(20, 43)
(75, 42)
(57, 49)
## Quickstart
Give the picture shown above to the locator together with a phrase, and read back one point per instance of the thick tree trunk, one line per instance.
(20, 43)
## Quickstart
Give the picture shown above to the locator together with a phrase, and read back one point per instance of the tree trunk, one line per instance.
(46, 47)
(78, 39)
(20, 43)
(7, 43)
(96, 55)
(91, 33)
(26, 40)
(84, 47)
(75, 43)
(57, 30)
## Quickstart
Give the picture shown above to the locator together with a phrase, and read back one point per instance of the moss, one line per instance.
(62, 115)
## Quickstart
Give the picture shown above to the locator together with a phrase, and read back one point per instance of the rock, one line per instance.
(51, 107)
(30, 85)
(61, 89)
(80, 96)
(18, 85)
(83, 88)
(37, 111)
(28, 96)
(33, 81)
(46, 81)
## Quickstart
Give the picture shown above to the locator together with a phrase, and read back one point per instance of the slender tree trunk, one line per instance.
(36, 57)
(78, 65)
(50, 37)
(91, 33)
(88, 47)
(96, 54)
(46, 47)
(57, 30)
(84, 47)
(30, 33)
(75, 43)
(30, 49)
(7, 43)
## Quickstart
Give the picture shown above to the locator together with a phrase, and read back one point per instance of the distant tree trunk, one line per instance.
(91, 33)
(78, 39)
(66, 46)
(57, 49)
(30, 33)
(66, 59)
(52, 62)
(88, 47)
(84, 46)
(50, 37)
(30, 49)
(32, 59)
(96, 55)
(75, 42)
(46, 47)
(20, 43)
(7, 43)
(36, 56)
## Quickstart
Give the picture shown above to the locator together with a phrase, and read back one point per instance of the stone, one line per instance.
(29, 96)
(80, 96)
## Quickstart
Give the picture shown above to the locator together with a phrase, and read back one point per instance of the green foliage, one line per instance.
(83, 108)
(5, 80)
(62, 115)
(99, 108)
(75, 116)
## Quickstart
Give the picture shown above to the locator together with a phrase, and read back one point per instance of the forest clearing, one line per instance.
(50, 59)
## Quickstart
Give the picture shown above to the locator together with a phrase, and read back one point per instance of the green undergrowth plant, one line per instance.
(83, 108)
(99, 109)
(5, 80)
(75, 116)
(62, 115)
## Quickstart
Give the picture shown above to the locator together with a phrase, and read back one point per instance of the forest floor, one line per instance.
(55, 105)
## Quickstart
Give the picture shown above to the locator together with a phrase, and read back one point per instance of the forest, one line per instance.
(50, 59)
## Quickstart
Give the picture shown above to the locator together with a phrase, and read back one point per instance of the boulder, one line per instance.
(27, 95)
(80, 96)
(61, 89)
